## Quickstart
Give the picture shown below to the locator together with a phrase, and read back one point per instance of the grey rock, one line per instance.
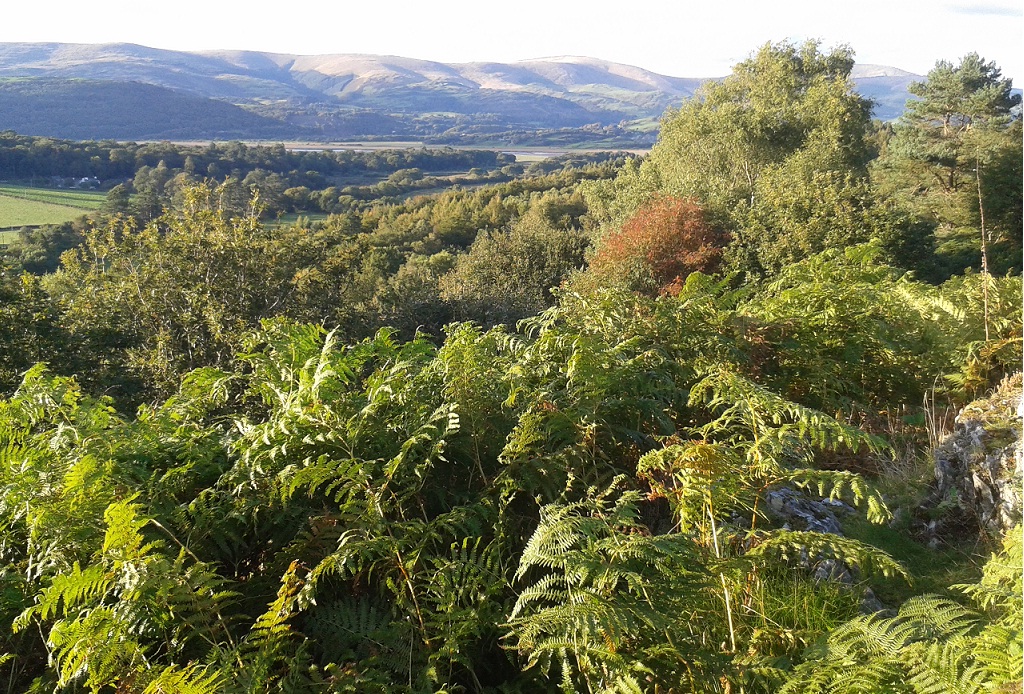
(833, 570)
(793, 509)
(870, 604)
(980, 466)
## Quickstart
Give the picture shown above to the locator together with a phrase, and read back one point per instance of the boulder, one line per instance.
(795, 511)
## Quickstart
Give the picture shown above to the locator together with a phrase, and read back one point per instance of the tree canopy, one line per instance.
(954, 158)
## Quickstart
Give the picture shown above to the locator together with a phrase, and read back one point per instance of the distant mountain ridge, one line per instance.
(351, 95)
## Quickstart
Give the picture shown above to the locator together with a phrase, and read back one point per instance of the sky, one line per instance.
(673, 37)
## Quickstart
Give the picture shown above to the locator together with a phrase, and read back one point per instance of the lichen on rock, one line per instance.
(980, 465)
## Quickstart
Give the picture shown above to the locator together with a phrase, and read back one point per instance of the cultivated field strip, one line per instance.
(23, 206)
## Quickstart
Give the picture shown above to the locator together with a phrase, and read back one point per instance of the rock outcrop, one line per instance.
(980, 466)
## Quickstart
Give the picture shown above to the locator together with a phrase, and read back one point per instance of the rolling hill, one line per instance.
(89, 109)
(131, 91)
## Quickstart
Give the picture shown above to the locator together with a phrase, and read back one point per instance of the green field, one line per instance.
(22, 206)
(293, 218)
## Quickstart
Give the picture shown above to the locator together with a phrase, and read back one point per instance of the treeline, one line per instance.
(24, 157)
(721, 192)
(783, 155)
(363, 207)
(628, 426)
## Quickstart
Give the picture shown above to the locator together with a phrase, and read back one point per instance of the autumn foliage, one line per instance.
(666, 240)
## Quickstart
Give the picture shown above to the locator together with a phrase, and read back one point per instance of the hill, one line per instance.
(248, 94)
(885, 86)
(87, 109)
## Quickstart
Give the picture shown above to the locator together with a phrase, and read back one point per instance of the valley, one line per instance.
(126, 91)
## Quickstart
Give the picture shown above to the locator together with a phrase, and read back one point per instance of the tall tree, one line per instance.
(784, 100)
(30, 329)
(657, 248)
(754, 149)
(951, 158)
(508, 275)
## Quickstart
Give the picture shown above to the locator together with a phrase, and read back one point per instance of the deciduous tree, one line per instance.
(662, 243)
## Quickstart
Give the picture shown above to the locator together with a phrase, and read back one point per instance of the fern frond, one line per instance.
(699, 479)
(793, 544)
(944, 667)
(192, 679)
(273, 624)
(96, 646)
(930, 647)
(604, 593)
(340, 480)
(939, 617)
(67, 592)
(123, 541)
(751, 410)
(999, 653)
(840, 485)
(1000, 587)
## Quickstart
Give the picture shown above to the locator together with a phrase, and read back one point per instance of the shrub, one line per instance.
(658, 247)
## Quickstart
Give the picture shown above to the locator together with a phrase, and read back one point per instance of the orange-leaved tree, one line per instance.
(662, 243)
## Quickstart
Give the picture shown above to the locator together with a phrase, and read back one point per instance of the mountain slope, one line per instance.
(594, 85)
(885, 86)
(96, 110)
(346, 95)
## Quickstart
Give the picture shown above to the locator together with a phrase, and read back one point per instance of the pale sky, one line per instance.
(673, 37)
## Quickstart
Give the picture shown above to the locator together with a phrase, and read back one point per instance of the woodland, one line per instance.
(530, 429)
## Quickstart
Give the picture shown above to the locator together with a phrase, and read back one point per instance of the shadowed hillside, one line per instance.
(90, 109)
(347, 95)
